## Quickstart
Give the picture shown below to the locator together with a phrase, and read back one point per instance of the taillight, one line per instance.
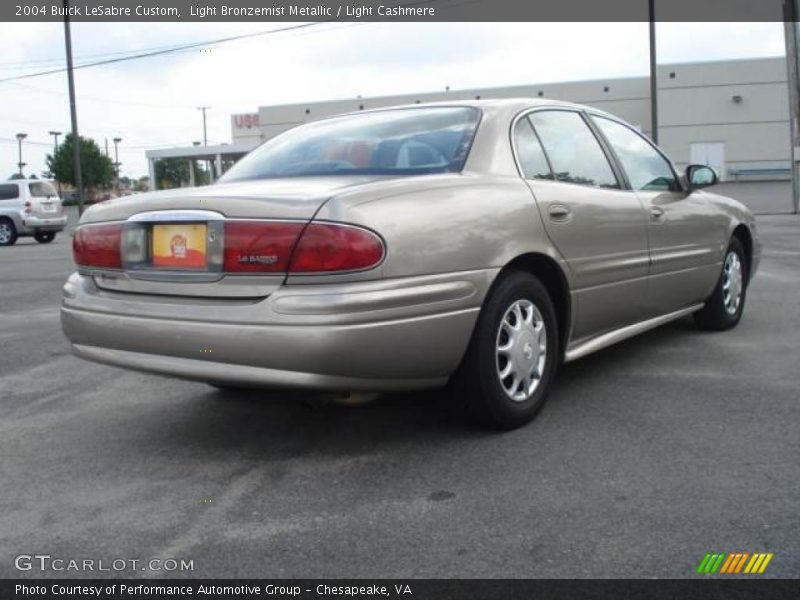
(326, 247)
(97, 245)
(28, 207)
(259, 246)
(273, 247)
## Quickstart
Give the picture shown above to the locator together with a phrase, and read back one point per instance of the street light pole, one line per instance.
(117, 140)
(76, 139)
(653, 74)
(20, 164)
(790, 17)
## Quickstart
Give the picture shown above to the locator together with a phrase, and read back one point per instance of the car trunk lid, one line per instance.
(174, 242)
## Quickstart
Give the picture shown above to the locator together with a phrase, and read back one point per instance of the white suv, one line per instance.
(30, 208)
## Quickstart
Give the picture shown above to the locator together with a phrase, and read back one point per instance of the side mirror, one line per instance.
(700, 176)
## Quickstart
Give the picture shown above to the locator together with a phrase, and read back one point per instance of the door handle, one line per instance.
(656, 213)
(558, 212)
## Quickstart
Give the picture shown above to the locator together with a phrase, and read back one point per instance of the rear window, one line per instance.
(9, 192)
(41, 189)
(392, 142)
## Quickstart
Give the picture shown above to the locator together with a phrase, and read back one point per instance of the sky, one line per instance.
(152, 102)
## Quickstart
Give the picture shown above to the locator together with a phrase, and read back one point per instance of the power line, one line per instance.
(165, 51)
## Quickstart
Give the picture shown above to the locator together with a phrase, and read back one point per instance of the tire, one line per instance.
(722, 310)
(44, 237)
(477, 388)
(8, 233)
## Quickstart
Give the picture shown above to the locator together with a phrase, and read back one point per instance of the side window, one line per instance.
(529, 152)
(9, 192)
(573, 150)
(646, 168)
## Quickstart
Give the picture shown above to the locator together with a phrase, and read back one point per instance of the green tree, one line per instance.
(172, 172)
(97, 169)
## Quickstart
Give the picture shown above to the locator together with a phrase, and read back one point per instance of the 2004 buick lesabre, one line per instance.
(477, 244)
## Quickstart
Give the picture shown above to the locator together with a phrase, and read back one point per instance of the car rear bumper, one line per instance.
(32, 224)
(371, 336)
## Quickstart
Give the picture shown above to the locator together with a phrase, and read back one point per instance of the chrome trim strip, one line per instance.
(612, 337)
(177, 215)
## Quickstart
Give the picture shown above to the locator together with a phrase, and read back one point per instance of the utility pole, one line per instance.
(20, 164)
(205, 139)
(792, 38)
(117, 140)
(205, 136)
(55, 135)
(653, 75)
(76, 141)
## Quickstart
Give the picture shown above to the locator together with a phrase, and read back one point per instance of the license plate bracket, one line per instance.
(179, 246)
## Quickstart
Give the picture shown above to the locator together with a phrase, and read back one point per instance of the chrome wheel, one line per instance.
(5, 233)
(732, 283)
(521, 349)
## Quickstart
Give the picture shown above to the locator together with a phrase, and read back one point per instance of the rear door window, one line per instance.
(9, 192)
(529, 152)
(573, 150)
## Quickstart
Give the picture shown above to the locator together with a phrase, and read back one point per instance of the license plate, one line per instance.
(48, 206)
(180, 246)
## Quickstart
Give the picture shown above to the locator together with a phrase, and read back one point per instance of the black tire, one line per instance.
(717, 315)
(8, 232)
(476, 387)
(44, 237)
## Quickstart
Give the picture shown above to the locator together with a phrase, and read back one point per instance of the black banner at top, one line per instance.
(394, 10)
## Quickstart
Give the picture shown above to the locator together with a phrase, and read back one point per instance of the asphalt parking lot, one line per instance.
(648, 455)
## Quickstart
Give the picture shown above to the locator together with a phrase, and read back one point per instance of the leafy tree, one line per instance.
(33, 176)
(172, 172)
(142, 184)
(97, 169)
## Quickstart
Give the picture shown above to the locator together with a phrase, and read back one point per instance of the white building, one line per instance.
(731, 115)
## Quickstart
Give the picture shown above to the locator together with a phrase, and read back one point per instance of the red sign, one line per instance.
(245, 121)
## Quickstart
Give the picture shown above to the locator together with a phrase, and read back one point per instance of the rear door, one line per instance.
(685, 231)
(599, 228)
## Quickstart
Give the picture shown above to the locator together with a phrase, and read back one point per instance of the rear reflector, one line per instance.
(326, 247)
(97, 245)
(259, 246)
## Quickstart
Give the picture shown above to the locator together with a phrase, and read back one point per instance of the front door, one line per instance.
(599, 228)
(685, 231)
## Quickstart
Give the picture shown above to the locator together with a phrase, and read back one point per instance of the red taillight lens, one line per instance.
(97, 245)
(259, 246)
(28, 207)
(326, 247)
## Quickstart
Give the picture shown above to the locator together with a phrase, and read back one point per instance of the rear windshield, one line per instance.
(392, 142)
(41, 189)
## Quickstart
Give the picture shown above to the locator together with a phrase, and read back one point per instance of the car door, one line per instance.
(598, 227)
(686, 233)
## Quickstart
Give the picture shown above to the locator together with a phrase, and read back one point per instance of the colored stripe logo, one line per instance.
(734, 563)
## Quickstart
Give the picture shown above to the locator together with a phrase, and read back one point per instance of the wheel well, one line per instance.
(742, 232)
(552, 277)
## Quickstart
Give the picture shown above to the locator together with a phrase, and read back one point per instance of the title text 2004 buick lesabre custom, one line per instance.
(479, 244)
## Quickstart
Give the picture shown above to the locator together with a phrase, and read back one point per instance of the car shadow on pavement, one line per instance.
(282, 424)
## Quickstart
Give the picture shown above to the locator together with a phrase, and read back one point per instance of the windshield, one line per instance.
(392, 142)
(41, 189)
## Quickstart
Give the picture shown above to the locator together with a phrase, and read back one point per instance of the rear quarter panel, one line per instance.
(447, 223)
